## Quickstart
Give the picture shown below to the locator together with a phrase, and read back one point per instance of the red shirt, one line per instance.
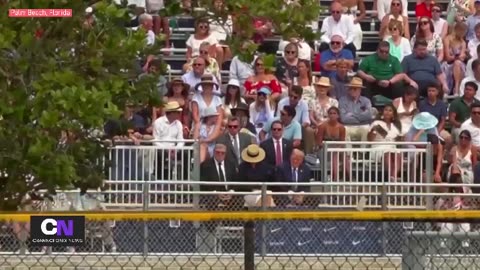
(422, 10)
(253, 87)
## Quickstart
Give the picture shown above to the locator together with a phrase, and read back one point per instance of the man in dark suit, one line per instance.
(294, 171)
(235, 141)
(277, 149)
(219, 169)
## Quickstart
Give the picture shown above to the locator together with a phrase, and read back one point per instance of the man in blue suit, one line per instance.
(294, 171)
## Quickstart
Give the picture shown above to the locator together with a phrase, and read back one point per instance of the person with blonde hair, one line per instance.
(455, 52)
(399, 45)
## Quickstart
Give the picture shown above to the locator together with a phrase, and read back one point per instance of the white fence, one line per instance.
(345, 174)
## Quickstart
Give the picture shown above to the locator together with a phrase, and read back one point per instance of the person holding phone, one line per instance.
(387, 129)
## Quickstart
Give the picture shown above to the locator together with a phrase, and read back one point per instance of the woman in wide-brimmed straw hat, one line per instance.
(204, 100)
(207, 133)
(254, 168)
(318, 107)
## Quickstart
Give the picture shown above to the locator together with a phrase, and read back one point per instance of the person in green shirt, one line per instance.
(383, 74)
(459, 109)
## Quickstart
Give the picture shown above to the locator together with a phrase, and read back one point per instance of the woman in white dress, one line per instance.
(406, 108)
(387, 129)
(463, 158)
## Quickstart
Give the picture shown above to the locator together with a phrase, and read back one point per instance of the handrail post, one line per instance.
(146, 201)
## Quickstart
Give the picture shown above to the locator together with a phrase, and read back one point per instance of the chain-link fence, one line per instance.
(249, 240)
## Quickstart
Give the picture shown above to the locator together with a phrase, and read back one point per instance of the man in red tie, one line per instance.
(277, 149)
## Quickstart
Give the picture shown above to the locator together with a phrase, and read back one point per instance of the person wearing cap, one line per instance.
(232, 97)
(261, 111)
(424, 129)
(207, 134)
(242, 112)
(292, 130)
(340, 24)
(383, 73)
(194, 77)
(473, 19)
(205, 99)
(168, 130)
(336, 51)
(356, 111)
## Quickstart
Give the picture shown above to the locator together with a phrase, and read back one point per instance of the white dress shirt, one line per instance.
(343, 27)
(164, 130)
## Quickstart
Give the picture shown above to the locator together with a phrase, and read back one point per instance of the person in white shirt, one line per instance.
(468, 69)
(474, 78)
(383, 8)
(305, 52)
(168, 130)
(473, 124)
(440, 25)
(338, 23)
(194, 76)
(146, 22)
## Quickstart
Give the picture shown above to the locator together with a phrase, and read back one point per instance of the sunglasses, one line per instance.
(261, 94)
(293, 97)
(259, 64)
(276, 129)
(203, 52)
(290, 52)
(395, 4)
(335, 43)
(203, 26)
(424, 22)
(476, 113)
(232, 126)
(197, 65)
(393, 29)
(465, 138)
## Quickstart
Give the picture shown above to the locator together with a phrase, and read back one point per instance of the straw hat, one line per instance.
(175, 80)
(424, 120)
(323, 81)
(253, 154)
(172, 106)
(206, 79)
(210, 111)
(356, 82)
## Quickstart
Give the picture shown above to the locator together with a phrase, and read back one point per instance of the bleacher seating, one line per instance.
(184, 26)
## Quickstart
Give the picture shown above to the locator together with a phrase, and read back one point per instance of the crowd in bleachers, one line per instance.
(420, 84)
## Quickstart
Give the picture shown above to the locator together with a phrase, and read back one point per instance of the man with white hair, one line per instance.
(146, 22)
(336, 51)
(338, 24)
